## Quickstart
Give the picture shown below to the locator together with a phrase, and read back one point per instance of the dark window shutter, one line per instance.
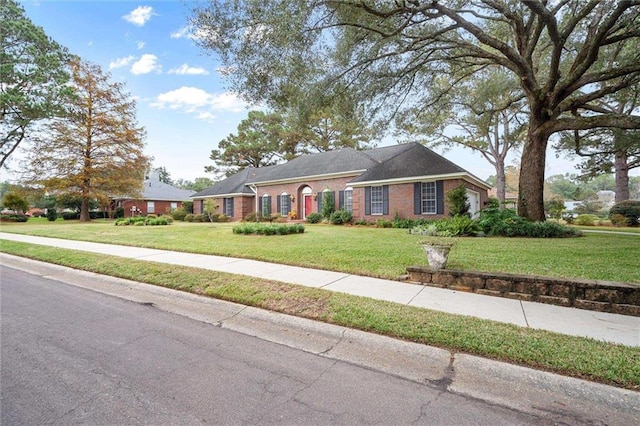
(224, 205)
(367, 200)
(260, 205)
(278, 203)
(340, 200)
(440, 197)
(417, 198)
(385, 199)
(319, 202)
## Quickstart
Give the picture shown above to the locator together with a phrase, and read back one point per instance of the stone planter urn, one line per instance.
(437, 253)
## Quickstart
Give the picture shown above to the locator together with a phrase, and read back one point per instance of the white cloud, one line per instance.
(139, 16)
(140, 44)
(182, 32)
(195, 100)
(146, 64)
(186, 69)
(121, 62)
(189, 32)
(206, 116)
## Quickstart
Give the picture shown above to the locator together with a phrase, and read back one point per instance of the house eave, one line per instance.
(308, 178)
(428, 178)
(234, 194)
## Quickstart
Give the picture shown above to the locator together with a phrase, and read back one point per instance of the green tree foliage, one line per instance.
(164, 175)
(96, 150)
(258, 143)
(15, 202)
(484, 114)
(328, 204)
(323, 118)
(198, 184)
(554, 207)
(458, 202)
(610, 150)
(32, 77)
(566, 55)
(210, 209)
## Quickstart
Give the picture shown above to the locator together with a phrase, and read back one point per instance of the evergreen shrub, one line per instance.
(630, 209)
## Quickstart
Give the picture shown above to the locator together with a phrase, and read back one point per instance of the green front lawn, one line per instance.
(378, 252)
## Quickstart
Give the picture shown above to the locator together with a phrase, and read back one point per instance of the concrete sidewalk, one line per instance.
(576, 322)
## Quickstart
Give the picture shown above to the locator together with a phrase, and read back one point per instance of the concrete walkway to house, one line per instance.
(576, 322)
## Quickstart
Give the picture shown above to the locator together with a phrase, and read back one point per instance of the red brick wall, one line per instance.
(400, 199)
(160, 207)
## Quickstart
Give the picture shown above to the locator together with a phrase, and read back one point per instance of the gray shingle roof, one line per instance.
(412, 160)
(377, 164)
(323, 163)
(154, 189)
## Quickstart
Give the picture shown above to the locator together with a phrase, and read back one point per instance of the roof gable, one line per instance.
(415, 160)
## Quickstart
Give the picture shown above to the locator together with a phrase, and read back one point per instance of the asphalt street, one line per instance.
(71, 355)
(78, 347)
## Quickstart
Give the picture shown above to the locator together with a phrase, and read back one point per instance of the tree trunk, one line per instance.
(622, 176)
(531, 185)
(84, 210)
(501, 182)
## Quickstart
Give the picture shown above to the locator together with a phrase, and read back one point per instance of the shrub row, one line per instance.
(507, 223)
(150, 220)
(264, 229)
(494, 222)
(14, 218)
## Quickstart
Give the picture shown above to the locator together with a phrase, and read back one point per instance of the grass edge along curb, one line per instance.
(580, 357)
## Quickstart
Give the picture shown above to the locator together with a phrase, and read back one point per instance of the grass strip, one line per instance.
(580, 357)
(375, 252)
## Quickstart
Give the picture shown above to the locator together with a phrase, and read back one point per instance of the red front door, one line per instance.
(307, 205)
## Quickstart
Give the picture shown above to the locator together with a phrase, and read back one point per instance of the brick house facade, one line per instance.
(407, 181)
(157, 198)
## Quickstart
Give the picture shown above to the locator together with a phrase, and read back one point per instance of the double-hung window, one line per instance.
(377, 200)
(284, 204)
(348, 200)
(428, 198)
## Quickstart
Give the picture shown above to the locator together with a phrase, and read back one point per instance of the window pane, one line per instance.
(151, 207)
(229, 207)
(376, 200)
(266, 205)
(348, 200)
(284, 204)
(428, 198)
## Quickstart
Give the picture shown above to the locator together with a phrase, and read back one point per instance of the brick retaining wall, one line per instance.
(602, 296)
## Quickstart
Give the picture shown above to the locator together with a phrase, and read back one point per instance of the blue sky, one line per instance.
(181, 98)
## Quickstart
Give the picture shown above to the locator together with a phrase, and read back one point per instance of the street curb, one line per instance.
(550, 396)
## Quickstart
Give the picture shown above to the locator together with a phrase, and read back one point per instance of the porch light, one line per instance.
(292, 197)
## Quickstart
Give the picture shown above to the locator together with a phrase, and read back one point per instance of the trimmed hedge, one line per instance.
(263, 229)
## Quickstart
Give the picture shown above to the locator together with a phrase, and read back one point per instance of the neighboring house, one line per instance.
(407, 180)
(157, 198)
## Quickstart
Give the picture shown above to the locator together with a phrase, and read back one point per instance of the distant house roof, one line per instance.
(395, 162)
(154, 189)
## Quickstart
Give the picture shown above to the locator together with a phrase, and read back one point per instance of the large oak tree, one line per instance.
(96, 150)
(390, 53)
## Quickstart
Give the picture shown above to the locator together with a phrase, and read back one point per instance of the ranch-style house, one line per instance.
(406, 180)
